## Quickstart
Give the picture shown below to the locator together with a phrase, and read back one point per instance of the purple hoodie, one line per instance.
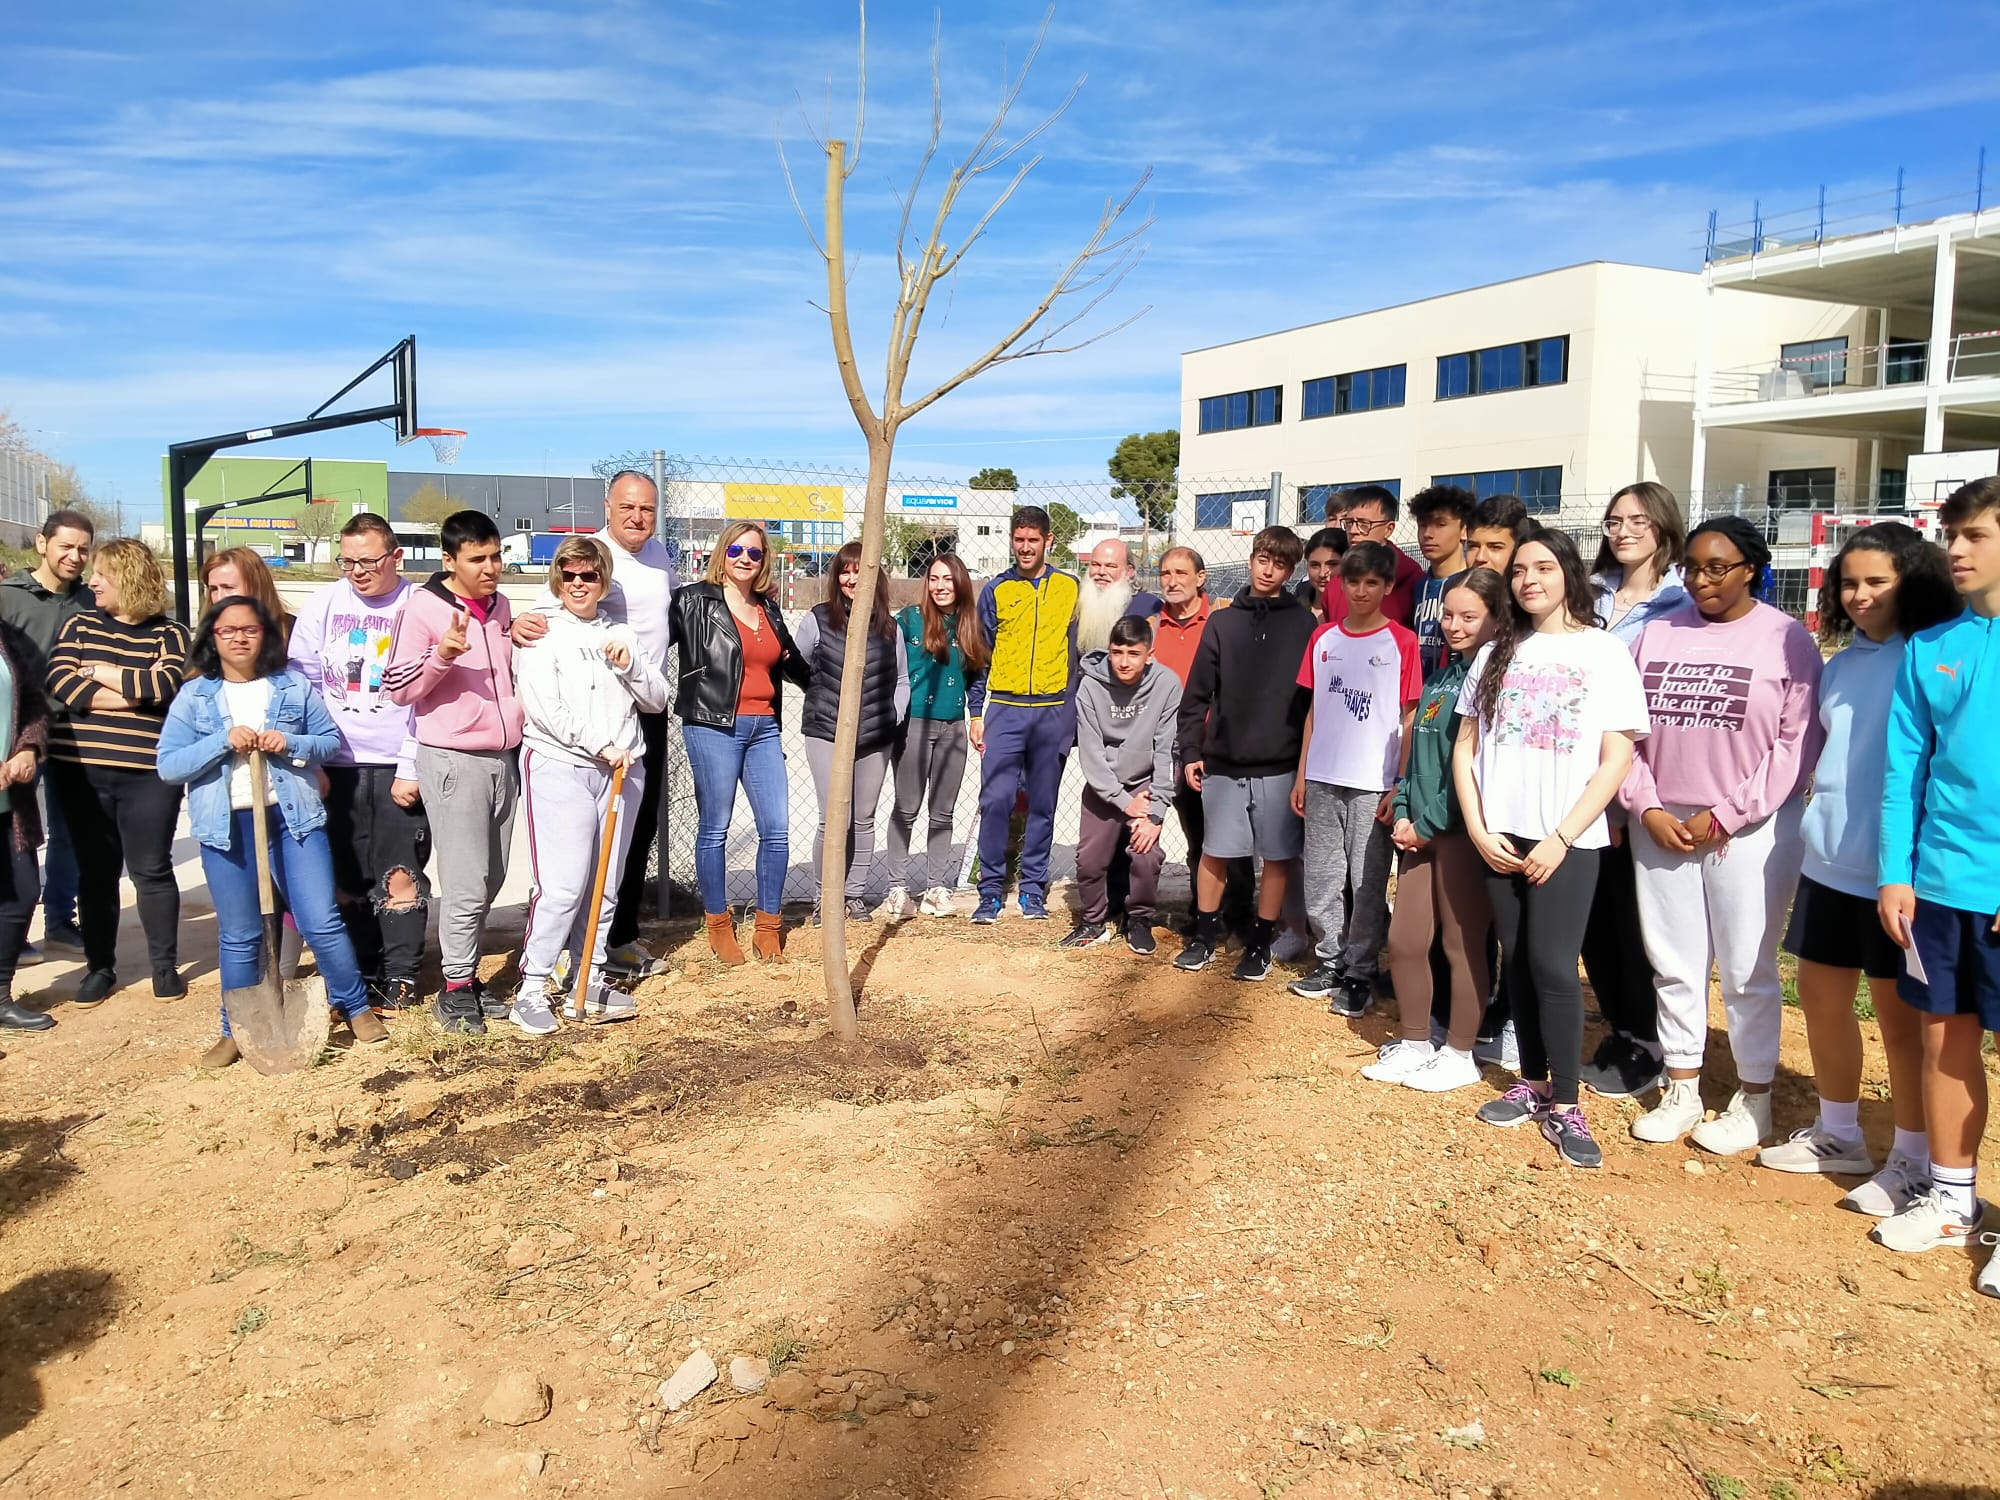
(340, 644)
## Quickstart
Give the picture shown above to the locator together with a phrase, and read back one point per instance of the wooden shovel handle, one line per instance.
(597, 894)
(267, 901)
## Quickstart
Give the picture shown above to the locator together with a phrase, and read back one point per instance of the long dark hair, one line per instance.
(1579, 603)
(1491, 590)
(1669, 527)
(1925, 594)
(205, 661)
(884, 623)
(963, 619)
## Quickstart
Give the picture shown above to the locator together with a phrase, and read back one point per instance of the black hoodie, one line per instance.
(1244, 713)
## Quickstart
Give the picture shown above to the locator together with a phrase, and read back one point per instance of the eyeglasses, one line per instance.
(362, 564)
(1354, 524)
(238, 632)
(1632, 525)
(1716, 572)
(586, 575)
(737, 549)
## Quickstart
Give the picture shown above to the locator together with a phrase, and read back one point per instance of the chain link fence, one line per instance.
(810, 512)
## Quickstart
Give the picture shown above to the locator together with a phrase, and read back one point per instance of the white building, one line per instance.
(1561, 388)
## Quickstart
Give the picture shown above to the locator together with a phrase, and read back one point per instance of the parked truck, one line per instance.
(530, 549)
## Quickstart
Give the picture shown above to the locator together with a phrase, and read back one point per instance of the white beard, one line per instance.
(1101, 606)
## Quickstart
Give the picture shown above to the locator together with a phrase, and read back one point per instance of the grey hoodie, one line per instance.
(1125, 735)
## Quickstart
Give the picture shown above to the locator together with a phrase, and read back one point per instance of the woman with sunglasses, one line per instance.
(582, 689)
(1637, 578)
(1715, 796)
(735, 653)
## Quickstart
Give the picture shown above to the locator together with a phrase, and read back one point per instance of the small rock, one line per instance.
(1693, 1168)
(791, 1390)
(696, 1374)
(1007, 1346)
(1162, 1339)
(881, 1401)
(606, 1169)
(748, 1375)
(835, 1384)
(532, 1463)
(519, 1397)
(524, 1252)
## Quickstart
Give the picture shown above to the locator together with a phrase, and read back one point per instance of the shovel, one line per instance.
(597, 894)
(279, 1027)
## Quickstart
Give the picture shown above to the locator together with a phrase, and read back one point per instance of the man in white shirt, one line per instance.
(642, 587)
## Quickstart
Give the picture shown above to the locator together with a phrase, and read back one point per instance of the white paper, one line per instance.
(1912, 964)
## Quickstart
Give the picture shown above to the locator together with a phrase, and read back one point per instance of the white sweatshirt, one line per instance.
(575, 702)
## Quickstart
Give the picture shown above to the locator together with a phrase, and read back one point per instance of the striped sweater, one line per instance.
(150, 659)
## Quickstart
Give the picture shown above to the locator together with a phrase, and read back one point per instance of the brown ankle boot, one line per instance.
(722, 937)
(768, 940)
(221, 1055)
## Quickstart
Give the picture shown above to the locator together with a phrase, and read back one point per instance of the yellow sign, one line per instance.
(783, 502)
(227, 522)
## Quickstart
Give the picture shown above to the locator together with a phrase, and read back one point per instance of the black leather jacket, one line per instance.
(711, 654)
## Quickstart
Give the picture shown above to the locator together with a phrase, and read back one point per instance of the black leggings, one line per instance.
(20, 889)
(121, 821)
(1541, 933)
(1614, 952)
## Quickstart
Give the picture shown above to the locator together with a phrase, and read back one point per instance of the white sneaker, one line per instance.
(936, 902)
(1678, 1112)
(1443, 1071)
(603, 1005)
(1743, 1126)
(1987, 1283)
(1891, 1190)
(531, 1011)
(1503, 1050)
(1290, 946)
(1397, 1060)
(1813, 1150)
(1925, 1225)
(897, 906)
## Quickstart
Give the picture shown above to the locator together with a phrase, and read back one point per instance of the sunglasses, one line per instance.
(737, 549)
(588, 575)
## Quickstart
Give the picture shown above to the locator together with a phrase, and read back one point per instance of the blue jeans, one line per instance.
(59, 881)
(303, 873)
(720, 759)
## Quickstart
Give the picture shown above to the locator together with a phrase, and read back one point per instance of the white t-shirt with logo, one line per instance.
(1562, 694)
(1360, 685)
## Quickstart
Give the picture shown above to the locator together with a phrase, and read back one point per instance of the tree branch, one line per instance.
(860, 90)
(792, 188)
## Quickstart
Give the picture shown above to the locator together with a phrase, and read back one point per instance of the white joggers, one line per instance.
(1726, 906)
(566, 806)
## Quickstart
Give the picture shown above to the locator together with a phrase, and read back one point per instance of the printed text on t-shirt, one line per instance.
(1697, 694)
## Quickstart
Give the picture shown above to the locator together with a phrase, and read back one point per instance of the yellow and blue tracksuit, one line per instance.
(1028, 708)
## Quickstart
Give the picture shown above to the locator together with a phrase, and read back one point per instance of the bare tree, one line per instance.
(1077, 289)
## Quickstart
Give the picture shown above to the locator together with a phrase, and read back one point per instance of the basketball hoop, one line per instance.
(445, 441)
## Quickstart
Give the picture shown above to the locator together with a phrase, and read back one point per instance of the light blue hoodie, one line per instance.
(1940, 825)
(1843, 821)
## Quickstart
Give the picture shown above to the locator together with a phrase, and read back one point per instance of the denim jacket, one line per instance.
(194, 749)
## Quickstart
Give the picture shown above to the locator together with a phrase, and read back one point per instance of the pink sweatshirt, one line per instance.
(1735, 715)
(467, 703)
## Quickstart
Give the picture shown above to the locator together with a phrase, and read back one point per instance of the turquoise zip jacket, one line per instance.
(1425, 795)
(1940, 825)
(938, 689)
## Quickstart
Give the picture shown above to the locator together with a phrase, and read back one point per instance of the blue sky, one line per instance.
(211, 214)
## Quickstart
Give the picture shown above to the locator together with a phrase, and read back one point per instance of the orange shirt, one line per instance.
(1174, 640)
(760, 660)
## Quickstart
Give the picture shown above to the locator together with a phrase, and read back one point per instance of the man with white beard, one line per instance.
(1109, 593)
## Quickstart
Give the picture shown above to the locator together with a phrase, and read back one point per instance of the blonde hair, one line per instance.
(767, 571)
(130, 564)
(581, 549)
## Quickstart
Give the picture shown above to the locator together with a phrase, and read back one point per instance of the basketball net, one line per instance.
(445, 441)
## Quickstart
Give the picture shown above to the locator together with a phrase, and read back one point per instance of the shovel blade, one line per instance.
(279, 1028)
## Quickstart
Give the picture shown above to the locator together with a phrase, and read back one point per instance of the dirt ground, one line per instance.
(1064, 1225)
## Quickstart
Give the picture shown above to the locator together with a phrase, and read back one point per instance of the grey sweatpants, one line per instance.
(470, 797)
(1347, 850)
(870, 770)
(566, 808)
(929, 766)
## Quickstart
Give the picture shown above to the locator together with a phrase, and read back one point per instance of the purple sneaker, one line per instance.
(1566, 1130)
(1517, 1106)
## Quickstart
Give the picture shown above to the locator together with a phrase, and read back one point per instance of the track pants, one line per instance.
(566, 805)
(929, 767)
(1101, 832)
(1726, 906)
(1020, 740)
(470, 797)
(1347, 877)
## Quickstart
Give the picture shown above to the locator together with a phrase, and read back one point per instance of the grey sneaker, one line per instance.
(1891, 1190)
(1519, 1105)
(532, 1013)
(603, 1005)
(1813, 1150)
(1569, 1133)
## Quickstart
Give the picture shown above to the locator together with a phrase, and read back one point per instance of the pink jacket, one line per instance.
(464, 704)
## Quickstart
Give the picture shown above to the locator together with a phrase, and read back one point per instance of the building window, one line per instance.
(1822, 362)
(1540, 489)
(1313, 497)
(1907, 362)
(1800, 489)
(1892, 488)
(1505, 367)
(1213, 512)
(522, 523)
(1362, 390)
(1260, 408)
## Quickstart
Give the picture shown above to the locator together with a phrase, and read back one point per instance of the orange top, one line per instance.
(760, 660)
(1174, 640)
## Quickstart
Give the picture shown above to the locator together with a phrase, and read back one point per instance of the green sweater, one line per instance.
(937, 688)
(1426, 795)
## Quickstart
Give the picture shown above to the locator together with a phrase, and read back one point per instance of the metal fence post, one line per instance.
(1274, 503)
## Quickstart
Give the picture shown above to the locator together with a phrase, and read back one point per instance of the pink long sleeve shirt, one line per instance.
(1734, 711)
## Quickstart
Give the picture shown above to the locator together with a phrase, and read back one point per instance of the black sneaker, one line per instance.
(1139, 936)
(168, 984)
(860, 911)
(1353, 998)
(1086, 935)
(459, 1010)
(395, 994)
(1622, 1069)
(492, 1004)
(1565, 1129)
(1196, 954)
(1255, 964)
(1323, 981)
(96, 986)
